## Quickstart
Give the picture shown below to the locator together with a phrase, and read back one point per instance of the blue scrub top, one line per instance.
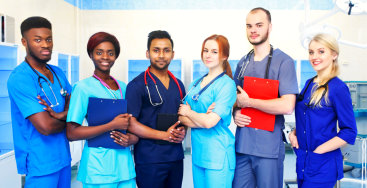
(317, 125)
(36, 154)
(146, 150)
(99, 165)
(259, 142)
(211, 146)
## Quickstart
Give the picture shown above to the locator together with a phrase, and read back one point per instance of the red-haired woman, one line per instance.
(213, 150)
(100, 166)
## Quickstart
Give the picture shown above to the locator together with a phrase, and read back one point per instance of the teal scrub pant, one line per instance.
(122, 184)
(59, 179)
(212, 178)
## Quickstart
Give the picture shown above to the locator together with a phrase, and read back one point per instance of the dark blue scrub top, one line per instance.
(146, 150)
(316, 126)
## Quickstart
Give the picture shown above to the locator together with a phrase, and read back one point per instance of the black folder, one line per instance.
(101, 111)
(164, 122)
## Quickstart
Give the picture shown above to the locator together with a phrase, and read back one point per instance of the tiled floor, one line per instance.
(289, 174)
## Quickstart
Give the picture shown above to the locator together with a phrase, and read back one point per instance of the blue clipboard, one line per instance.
(101, 111)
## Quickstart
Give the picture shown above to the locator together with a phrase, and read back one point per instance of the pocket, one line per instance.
(321, 167)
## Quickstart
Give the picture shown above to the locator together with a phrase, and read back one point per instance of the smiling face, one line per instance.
(160, 53)
(258, 27)
(211, 56)
(103, 56)
(321, 57)
(38, 44)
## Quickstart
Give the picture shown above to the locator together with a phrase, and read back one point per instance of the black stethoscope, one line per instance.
(247, 61)
(301, 96)
(156, 87)
(63, 92)
(196, 96)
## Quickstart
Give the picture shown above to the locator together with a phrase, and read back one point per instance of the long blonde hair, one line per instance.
(317, 91)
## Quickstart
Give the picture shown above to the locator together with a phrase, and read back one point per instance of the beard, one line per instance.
(263, 39)
(33, 55)
(159, 68)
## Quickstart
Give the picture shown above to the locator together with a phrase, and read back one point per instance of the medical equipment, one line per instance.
(108, 87)
(156, 87)
(63, 92)
(247, 61)
(196, 96)
(301, 96)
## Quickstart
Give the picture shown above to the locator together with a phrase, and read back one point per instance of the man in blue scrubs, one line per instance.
(260, 153)
(41, 148)
(152, 93)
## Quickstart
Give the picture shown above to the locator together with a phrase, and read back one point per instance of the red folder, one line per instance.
(259, 88)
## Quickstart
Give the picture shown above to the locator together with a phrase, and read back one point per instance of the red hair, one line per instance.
(223, 46)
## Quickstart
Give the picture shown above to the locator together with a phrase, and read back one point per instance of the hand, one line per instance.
(243, 100)
(240, 119)
(211, 108)
(122, 139)
(293, 139)
(318, 150)
(168, 136)
(179, 134)
(120, 122)
(51, 112)
(184, 109)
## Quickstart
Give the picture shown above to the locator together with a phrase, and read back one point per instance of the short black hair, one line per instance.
(264, 10)
(34, 22)
(158, 34)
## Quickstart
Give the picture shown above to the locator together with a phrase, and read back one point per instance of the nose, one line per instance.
(161, 53)
(105, 55)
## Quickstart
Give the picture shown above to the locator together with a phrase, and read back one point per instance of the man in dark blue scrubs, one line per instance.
(153, 93)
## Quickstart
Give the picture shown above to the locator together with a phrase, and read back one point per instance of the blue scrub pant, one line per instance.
(122, 184)
(59, 179)
(212, 178)
(308, 184)
(159, 175)
(252, 171)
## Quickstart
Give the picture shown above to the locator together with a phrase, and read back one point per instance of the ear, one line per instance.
(24, 42)
(173, 54)
(147, 54)
(270, 27)
(335, 56)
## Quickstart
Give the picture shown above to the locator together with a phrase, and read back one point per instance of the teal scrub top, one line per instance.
(35, 153)
(211, 146)
(99, 165)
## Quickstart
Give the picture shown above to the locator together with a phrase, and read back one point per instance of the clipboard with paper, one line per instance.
(265, 89)
(260, 88)
(101, 111)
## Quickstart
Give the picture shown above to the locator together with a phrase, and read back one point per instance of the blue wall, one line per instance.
(195, 4)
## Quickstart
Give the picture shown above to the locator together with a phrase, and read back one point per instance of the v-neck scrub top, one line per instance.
(99, 165)
(211, 146)
(147, 151)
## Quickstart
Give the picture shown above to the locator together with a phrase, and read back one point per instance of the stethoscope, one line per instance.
(196, 96)
(108, 87)
(63, 92)
(301, 96)
(156, 87)
(247, 61)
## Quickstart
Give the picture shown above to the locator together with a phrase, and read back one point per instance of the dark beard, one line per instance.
(31, 53)
(159, 68)
(261, 41)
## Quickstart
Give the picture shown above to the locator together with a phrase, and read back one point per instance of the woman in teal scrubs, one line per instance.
(213, 150)
(102, 167)
(323, 103)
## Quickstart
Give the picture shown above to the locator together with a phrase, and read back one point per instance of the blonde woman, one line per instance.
(323, 102)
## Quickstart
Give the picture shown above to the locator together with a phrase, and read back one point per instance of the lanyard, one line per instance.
(196, 96)
(247, 61)
(107, 86)
(156, 87)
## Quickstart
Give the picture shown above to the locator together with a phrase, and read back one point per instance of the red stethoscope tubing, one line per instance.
(169, 73)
